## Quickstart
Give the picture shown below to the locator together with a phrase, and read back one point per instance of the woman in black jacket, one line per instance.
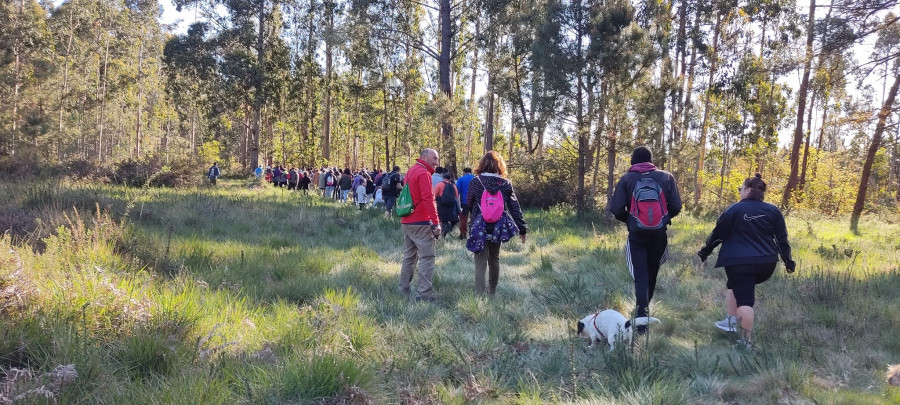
(753, 235)
(491, 176)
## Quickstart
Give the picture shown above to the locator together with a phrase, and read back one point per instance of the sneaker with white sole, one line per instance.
(729, 324)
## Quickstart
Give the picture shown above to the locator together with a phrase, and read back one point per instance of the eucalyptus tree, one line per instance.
(24, 42)
(406, 22)
(191, 73)
(530, 48)
(886, 50)
(252, 24)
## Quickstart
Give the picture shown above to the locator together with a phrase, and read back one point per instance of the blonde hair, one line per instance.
(491, 162)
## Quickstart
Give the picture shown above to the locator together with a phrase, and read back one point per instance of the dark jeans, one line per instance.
(644, 254)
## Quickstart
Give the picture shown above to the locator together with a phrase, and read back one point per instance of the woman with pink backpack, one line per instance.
(496, 218)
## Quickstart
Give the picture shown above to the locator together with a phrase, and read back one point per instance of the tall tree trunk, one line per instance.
(102, 117)
(65, 84)
(870, 154)
(475, 63)
(326, 139)
(17, 86)
(809, 128)
(259, 97)
(821, 135)
(801, 108)
(512, 132)
(449, 143)
(714, 59)
(165, 145)
(140, 95)
(489, 119)
(582, 126)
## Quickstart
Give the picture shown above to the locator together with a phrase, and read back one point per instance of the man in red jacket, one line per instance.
(421, 228)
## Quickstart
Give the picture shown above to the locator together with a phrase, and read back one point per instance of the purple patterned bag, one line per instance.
(504, 230)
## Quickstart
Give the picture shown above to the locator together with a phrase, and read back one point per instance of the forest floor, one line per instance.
(248, 294)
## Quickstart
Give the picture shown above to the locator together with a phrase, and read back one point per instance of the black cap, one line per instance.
(641, 154)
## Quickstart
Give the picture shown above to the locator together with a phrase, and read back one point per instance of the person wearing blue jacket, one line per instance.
(462, 184)
(753, 235)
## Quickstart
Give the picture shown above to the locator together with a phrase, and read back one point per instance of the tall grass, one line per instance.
(242, 294)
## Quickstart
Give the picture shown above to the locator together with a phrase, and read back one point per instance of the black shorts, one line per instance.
(743, 278)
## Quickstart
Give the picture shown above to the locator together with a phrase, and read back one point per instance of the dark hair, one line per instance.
(756, 185)
(467, 170)
(438, 170)
(491, 162)
(641, 154)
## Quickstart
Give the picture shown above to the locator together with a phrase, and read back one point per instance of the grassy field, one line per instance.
(245, 294)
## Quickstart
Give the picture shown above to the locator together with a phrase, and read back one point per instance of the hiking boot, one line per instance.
(729, 324)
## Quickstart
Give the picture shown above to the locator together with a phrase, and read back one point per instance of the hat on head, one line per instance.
(641, 154)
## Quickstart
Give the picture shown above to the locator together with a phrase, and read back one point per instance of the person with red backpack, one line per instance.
(446, 196)
(646, 199)
(496, 218)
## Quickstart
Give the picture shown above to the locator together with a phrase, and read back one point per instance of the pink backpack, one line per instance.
(491, 204)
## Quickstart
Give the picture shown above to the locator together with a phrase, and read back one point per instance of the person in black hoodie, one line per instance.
(753, 235)
(646, 248)
(491, 175)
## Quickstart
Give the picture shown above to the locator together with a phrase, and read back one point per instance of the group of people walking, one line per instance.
(752, 233)
(487, 197)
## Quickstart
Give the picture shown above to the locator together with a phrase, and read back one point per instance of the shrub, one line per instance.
(19, 165)
(152, 172)
(132, 172)
(543, 181)
(80, 169)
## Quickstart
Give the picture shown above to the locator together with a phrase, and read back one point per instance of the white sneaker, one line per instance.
(729, 324)
(744, 344)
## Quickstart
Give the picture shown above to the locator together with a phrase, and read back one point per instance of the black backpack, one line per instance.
(448, 197)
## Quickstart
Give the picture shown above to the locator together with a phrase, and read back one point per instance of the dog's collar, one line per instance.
(594, 321)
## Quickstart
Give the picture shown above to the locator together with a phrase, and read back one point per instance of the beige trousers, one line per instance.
(418, 246)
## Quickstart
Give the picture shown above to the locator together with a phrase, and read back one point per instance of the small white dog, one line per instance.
(607, 325)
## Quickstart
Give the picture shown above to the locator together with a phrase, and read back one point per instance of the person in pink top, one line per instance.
(420, 228)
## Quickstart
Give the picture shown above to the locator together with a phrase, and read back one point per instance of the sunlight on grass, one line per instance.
(239, 294)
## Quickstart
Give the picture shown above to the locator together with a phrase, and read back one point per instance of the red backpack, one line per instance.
(648, 205)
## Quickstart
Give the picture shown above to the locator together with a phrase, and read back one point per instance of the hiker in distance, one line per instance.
(646, 199)
(421, 227)
(496, 218)
(753, 235)
(213, 173)
(462, 184)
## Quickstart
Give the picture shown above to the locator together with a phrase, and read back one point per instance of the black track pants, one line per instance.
(644, 254)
